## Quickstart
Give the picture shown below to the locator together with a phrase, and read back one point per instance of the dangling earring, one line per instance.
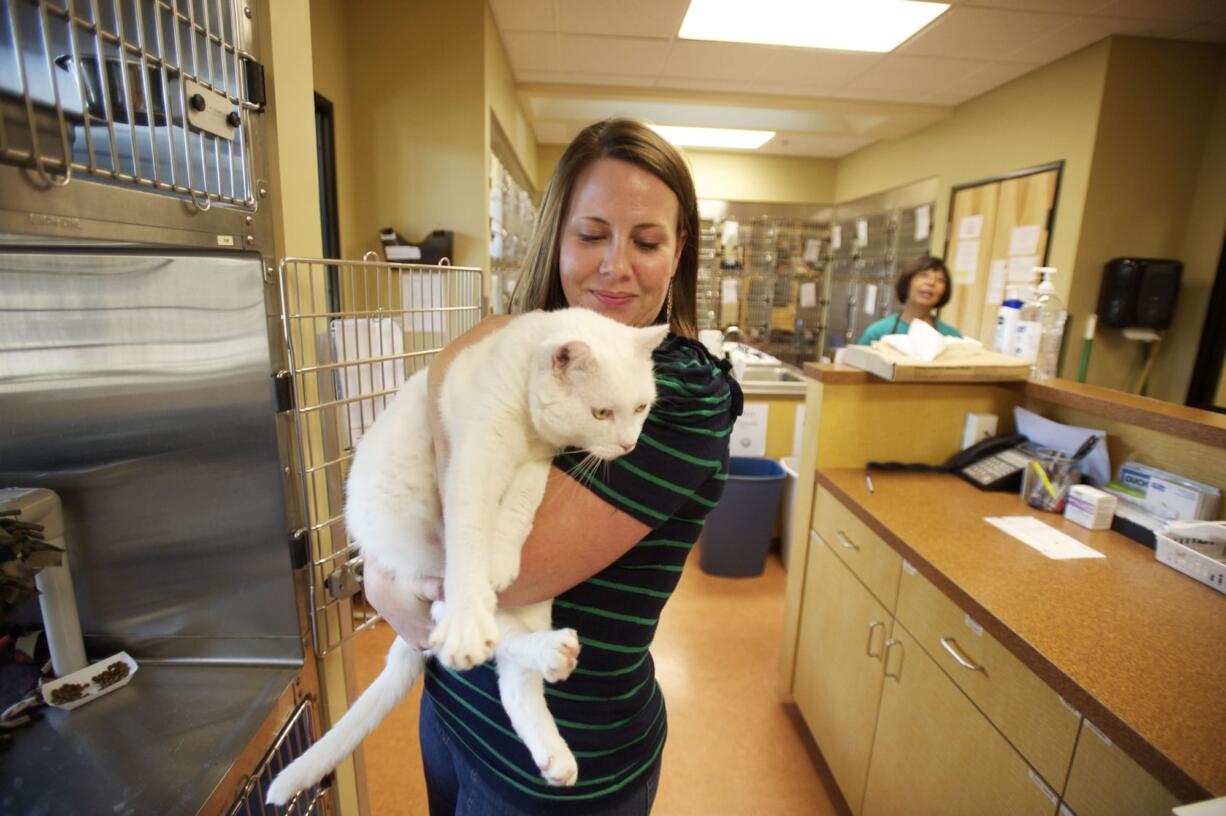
(668, 304)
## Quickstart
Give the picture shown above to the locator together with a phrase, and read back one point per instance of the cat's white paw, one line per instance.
(559, 655)
(557, 764)
(504, 566)
(464, 637)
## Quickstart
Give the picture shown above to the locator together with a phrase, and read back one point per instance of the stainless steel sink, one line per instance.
(772, 379)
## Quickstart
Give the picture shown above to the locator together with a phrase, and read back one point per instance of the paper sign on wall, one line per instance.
(870, 299)
(997, 273)
(813, 249)
(798, 430)
(727, 290)
(970, 227)
(1021, 269)
(862, 231)
(808, 295)
(728, 233)
(836, 236)
(923, 222)
(1024, 240)
(749, 432)
(966, 261)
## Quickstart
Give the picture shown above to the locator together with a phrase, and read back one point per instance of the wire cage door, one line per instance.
(355, 331)
(152, 94)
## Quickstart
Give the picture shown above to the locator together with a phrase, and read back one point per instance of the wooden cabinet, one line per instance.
(842, 634)
(873, 561)
(1024, 708)
(934, 753)
(1104, 781)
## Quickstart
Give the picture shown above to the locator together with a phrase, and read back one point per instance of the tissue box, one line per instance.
(957, 364)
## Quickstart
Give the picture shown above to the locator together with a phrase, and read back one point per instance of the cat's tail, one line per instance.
(404, 663)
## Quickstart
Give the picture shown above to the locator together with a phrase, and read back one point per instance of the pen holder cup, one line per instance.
(1047, 479)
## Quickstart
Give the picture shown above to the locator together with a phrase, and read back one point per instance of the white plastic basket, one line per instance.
(1196, 549)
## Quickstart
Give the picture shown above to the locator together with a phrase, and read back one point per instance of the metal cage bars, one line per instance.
(354, 332)
(292, 742)
(108, 83)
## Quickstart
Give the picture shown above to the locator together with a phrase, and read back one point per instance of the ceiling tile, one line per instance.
(975, 33)
(919, 75)
(708, 84)
(1191, 11)
(829, 69)
(611, 55)
(629, 18)
(990, 76)
(709, 60)
(581, 78)
(523, 15)
(531, 51)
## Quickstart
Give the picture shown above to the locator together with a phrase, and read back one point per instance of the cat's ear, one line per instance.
(651, 337)
(570, 356)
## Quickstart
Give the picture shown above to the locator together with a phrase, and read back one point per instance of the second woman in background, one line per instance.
(923, 288)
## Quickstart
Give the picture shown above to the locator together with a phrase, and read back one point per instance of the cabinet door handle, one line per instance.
(965, 662)
(890, 644)
(868, 647)
(847, 543)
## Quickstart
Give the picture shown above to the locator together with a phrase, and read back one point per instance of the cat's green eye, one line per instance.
(602, 413)
(640, 409)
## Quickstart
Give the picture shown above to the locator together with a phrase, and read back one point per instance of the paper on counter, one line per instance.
(1067, 439)
(1043, 537)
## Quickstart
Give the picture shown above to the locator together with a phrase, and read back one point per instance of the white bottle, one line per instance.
(1025, 342)
(1051, 328)
(1006, 320)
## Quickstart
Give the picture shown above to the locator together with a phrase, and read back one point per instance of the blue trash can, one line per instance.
(737, 535)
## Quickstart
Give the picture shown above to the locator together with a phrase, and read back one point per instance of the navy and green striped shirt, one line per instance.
(611, 710)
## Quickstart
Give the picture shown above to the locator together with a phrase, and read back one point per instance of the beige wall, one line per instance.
(505, 108)
(329, 53)
(1044, 116)
(738, 176)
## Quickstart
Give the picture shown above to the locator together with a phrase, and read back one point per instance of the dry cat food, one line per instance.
(68, 693)
(111, 674)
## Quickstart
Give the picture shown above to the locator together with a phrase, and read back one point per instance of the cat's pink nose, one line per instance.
(627, 448)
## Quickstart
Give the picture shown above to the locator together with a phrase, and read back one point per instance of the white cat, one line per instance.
(509, 403)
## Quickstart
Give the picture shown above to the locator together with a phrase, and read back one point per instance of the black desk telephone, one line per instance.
(992, 464)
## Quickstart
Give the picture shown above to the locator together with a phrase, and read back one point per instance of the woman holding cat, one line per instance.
(617, 234)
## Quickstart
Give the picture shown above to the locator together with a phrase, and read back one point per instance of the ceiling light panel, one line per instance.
(723, 138)
(842, 25)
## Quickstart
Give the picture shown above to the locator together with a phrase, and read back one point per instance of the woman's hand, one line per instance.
(404, 603)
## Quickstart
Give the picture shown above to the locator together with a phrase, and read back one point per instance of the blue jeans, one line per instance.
(455, 788)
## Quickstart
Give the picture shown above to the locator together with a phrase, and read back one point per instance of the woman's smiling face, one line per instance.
(619, 245)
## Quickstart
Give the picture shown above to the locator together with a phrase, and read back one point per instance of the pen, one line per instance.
(1043, 476)
(1086, 447)
(868, 482)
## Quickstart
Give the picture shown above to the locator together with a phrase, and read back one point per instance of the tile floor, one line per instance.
(733, 747)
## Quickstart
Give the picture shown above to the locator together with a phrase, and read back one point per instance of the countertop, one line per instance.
(160, 745)
(1137, 647)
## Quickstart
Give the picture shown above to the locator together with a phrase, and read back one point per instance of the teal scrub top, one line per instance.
(894, 324)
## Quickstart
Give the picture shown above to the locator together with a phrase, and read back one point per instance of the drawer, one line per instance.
(1023, 707)
(864, 552)
(1104, 781)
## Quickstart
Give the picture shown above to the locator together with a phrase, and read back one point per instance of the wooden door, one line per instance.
(934, 753)
(972, 223)
(838, 667)
(1003, 225)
